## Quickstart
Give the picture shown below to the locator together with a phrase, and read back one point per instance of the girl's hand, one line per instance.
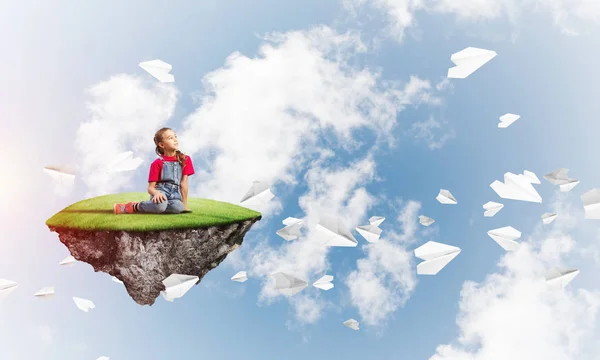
(158, 198)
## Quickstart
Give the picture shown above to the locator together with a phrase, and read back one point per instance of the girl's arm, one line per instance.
(184, 191)
(151, 189)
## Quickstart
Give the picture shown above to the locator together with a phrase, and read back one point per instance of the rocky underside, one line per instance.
(142, 260)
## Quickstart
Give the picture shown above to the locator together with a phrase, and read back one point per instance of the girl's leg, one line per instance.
(174, 207)
(152, 208)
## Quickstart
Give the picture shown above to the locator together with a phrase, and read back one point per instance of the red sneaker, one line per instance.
(123, 208)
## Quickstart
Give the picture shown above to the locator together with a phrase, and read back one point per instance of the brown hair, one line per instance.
(181, 157)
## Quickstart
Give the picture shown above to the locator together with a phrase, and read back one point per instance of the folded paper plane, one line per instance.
(591, 204)
(176, 285)
(468, 60)
(352, 324)
(124, 162)
(376, 220)
(324, 283)
(68, 261)
(516, 187)
(288, 284)
(370, 232)
(425, 221)
(505, 237)
(445, 197)
(491, 208)
(6, 287)
(292, 229)
(335, 232)
(63, 175)
(436, 256)
(558, 177)
(159, 69)
(258, 195)
(84, 304)
(559, 278)
(240, 277)
(547, 218)
(45, 293)
(568, 186)
(507, 119)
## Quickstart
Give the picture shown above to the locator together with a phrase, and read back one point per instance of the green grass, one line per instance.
(97, 214)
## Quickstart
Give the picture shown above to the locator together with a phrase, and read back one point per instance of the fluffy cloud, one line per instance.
(125, 112)
(384, 279)
(512, 314)
(434, 133)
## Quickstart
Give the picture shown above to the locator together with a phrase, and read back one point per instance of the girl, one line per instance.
(168, 179)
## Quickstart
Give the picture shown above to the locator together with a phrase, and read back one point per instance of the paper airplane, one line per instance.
(559, 278)
(115, 279)
(425, 221)
(352, 324)
(491, 208)
(370, 232)
(68, 261)
(45, 293)
(505, 237)
(84, 304)
(335, 231)
(240, 277)
(591, 204)
(176, 285)
(436, 256)
(516, 187)
(324, 283)
(568, 186)
(376, 220)
(547, 218)
(159, 69)
(558, 177)
(468, 60)
(63, 175)
(292, 229)
(507, 119)
(6, 287)
(445, 197)
(288, 284)
(124, 162)
(531, 177)
(258, 195)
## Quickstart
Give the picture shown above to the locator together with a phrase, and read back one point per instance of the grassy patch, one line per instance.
(97, 214)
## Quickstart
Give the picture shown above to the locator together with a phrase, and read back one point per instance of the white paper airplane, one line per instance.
(516, 187)
(63, 175)
(531, 177)
(591, 204)
(6, 287)
(507, 119)
(370, 232)
(436, 256)
(425, 221)
(68, 261)
(115, 279)
(123, 162)
(445, 197)
(240, 277)
(491, 208)
(376, 220)
(292, 229)
(288, 284)
(558, 177)
(559, 278)
(159, 69)
(45, 293)
(176, 285)
(468, 60)
(258, 195)
(324, 283)
(84, 304)
(352, 324)
(505, 237)
(547, 218)
(335, 232)
(568, 186)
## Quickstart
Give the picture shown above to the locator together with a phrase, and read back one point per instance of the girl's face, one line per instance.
(169, 141)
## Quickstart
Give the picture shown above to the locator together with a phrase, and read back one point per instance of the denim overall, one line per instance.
(169, 185)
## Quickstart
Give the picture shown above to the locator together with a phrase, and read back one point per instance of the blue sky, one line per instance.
(71, 71)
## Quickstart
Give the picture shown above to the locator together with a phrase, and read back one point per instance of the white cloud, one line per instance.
(513, 315)
(46, 334)
(125, 112)
(435, 133)
(384, 279)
